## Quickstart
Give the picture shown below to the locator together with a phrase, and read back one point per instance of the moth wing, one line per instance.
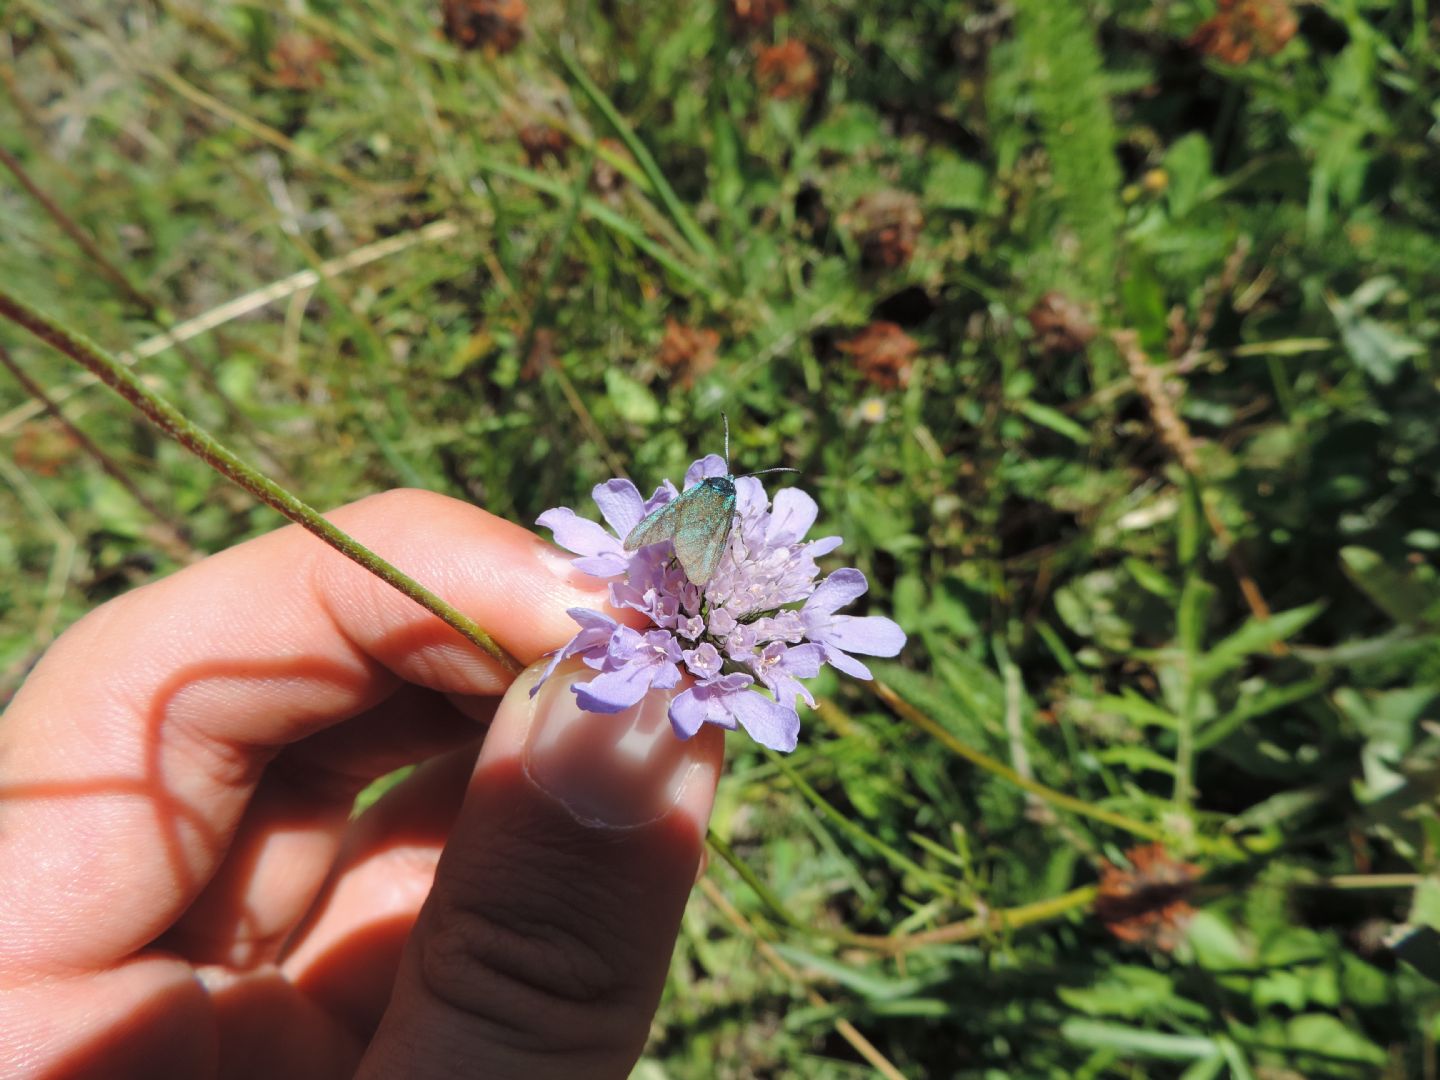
(702, 532)
(656, 526)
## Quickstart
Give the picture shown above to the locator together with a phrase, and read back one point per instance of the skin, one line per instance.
(186, 894)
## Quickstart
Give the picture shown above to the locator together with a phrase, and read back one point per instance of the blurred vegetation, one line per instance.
(1105, 333)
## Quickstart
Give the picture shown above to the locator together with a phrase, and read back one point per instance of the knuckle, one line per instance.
(535, 972)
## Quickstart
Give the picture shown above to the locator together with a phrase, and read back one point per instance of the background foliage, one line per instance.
(1144, 459)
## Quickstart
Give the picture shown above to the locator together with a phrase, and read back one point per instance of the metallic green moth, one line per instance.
(698, 521)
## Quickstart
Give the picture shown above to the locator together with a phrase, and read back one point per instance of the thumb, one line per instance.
(543, 946)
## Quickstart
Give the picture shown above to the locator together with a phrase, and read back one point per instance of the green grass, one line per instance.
(1084, 563)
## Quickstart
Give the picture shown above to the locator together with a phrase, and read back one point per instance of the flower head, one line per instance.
(765, 619)
(1148, 903)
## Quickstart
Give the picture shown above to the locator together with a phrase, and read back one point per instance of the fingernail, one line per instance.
(615, 771)
(563, 567)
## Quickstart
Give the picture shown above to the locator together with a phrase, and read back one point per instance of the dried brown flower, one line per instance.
(753, 15)
(786, 70)
(541, 141)
(688, 351)
(883, 353)
(494, 25)
(300, 60)
(1242, 27)
(887, 224)
(1061, 325)
(1148, 903)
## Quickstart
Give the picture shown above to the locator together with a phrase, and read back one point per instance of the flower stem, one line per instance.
(173, 422)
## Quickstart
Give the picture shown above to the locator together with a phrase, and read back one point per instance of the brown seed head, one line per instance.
(1148, 903)
(688, 351)
(1242, 27)
(786, 70)
(887, 224)
(883, 353)
(496, 26)
(1062, 328)
(299, 61)
(541, 141)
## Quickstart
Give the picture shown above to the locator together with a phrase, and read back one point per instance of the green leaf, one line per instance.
(1256, 636)
(1406, 598)
(1418, 946)
(1188, 164)
(1136, 759)
(1321, 1033)
(633, 401)
(849, 129)
(1137, 1042)
(1150, 579)
(1053, 419)
(869, 985)
(956, 184)
(1138, 710)
(1126, 991)
(1253, 705)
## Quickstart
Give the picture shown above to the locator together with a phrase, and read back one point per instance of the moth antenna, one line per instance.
(778, 468)
(727, 440)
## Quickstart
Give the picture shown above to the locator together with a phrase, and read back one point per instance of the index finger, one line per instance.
(127, 759)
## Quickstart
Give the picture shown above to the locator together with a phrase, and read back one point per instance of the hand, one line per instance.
(185, 893)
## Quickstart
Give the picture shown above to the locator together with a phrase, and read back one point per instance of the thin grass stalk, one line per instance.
(174, 423)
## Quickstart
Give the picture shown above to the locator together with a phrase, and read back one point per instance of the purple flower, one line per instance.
(763, 622)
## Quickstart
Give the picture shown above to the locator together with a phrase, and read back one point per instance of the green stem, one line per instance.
(776, 906)
(1000, 769)
(172, 422)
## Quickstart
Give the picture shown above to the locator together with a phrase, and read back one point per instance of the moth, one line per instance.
(698, 521)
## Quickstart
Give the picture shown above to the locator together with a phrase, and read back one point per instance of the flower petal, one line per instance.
(620, 505)
(790, 519)
(577, 534)
(663, 494)
(610, 564)
(767, 722)
(707, 703)
(848, 664)
(823, 546)
(591, 619)
(615, 691)
(839, 589)
(709, 465)
(873, 635)
(750, 498)
(687, 714)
